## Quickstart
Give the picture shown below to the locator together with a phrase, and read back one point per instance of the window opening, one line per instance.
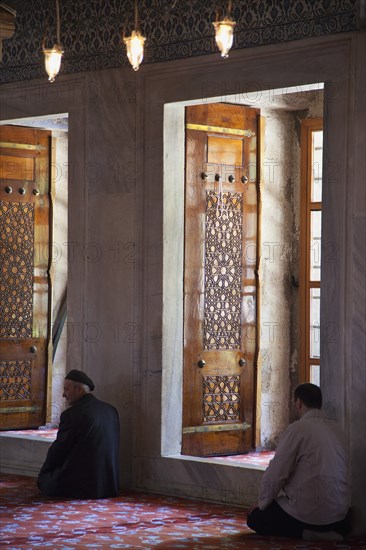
(311, 223)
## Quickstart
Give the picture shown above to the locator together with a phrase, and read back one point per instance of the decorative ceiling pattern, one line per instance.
(175, 29)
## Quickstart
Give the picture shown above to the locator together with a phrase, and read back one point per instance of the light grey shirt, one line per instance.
(308, 476)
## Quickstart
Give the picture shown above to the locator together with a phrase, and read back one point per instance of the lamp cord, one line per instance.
(58, 22)
(229, 8)
(136, 16)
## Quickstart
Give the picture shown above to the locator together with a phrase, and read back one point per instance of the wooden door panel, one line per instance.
(24, 283)
(18, 168)
(224, 151)
(220, 280)
(207, 443)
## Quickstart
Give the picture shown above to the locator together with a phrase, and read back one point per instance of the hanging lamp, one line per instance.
(52, 56)
(224, 32)
(135, 44)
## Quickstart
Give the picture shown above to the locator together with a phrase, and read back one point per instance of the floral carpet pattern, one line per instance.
(135, 521)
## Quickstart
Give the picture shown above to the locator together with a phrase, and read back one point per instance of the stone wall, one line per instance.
(59, 253)
(280, 257)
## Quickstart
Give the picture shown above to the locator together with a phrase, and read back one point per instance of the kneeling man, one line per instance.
(304, 491)
(83, 461)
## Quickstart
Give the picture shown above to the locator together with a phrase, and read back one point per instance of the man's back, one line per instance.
(304, 491)
(84, 459)
(312, 460)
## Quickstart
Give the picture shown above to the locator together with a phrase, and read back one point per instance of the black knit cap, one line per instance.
(81, 377)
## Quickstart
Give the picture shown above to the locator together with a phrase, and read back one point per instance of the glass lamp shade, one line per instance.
(52, 59)
(224, 35)
(135, 49)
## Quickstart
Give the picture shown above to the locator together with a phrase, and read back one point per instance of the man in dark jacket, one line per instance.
(83, 461)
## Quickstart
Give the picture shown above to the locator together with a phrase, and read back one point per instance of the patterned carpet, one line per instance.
(135, 521)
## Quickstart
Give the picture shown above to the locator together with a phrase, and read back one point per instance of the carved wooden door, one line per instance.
(24, 283)
(220, 280)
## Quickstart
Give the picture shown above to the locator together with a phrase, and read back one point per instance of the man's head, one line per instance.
(306, 397)
(76, 384)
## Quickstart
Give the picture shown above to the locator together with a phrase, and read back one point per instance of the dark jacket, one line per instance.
(83, 461)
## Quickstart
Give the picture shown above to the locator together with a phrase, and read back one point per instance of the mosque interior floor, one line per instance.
(132, 520)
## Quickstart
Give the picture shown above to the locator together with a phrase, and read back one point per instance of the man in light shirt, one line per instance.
(304, 491)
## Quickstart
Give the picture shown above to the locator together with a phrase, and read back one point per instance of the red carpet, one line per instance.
(133, 521)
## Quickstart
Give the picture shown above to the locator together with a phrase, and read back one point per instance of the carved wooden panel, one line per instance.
(15, 380)
(221, 398)
(17, 252)
(223, 271)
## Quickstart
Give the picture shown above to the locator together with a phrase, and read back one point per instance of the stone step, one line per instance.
(230, 479)
(23, 452)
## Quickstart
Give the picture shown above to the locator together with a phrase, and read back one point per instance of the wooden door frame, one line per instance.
(308, 126)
